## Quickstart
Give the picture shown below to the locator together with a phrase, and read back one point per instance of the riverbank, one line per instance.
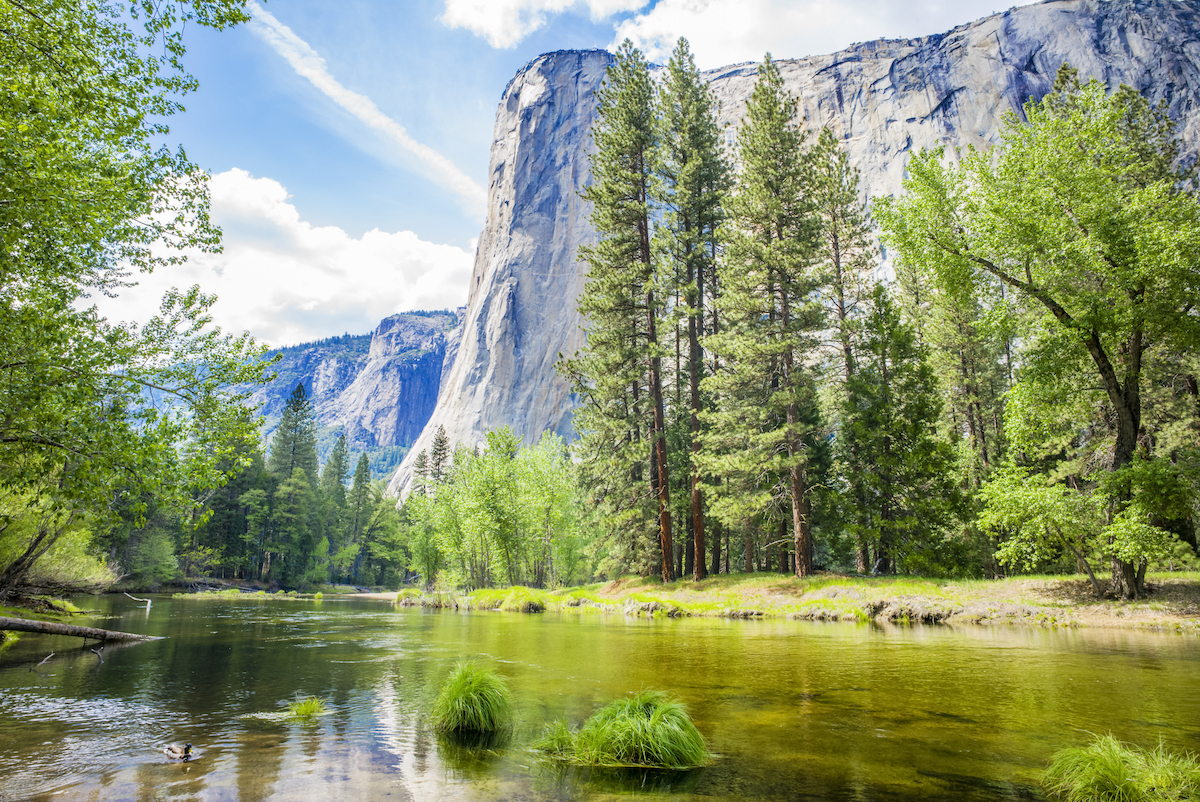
(1172, 602)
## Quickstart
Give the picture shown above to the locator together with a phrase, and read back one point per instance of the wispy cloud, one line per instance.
(504, 23)
(308, 64)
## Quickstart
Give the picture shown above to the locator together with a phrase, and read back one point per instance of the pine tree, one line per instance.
(421, 473)
(333, 502)
(439, 455)
(333, 475)
(624, 305)
(847, 256)
(294, 443)
(894, 408)
(291, 527)
(358, 509)
(768, 284)
(694, 179)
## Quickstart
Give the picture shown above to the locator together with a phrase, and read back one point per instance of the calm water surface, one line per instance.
(795, 710)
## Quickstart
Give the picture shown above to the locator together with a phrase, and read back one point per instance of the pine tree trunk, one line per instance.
(716, 548)
(660, 445)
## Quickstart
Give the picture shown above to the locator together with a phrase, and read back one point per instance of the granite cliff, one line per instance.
(378, 389)
(885, 100)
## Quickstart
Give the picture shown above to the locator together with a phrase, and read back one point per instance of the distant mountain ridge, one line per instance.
(378, 389)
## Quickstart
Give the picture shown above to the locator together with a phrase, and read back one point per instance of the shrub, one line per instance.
(648, 729)
(1110, 771)
(318, 595)
(306, 708)
(473, 699)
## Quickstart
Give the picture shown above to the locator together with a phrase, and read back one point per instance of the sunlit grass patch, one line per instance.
(1108, 770)
(649, 729)
(487, 598)
(306, 708)
(521, 599)
(473, 699)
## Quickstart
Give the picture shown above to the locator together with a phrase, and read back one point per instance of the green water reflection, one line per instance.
(796, 710)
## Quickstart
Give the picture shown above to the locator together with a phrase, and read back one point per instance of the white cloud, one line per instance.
(724, 32)
(308, 64)
(286, 281)
(504, 23)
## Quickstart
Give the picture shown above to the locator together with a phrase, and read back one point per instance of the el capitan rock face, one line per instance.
(885, 100)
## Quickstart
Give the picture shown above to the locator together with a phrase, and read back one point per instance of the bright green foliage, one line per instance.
(891, 412)
(1110, 771)
(1040, 521)
(546, 484)
(1080, 216)
(68, 563)
(506, 515)
(473, 699)
(765, 395)
(970, 342)
(647, 729)
(93, 413)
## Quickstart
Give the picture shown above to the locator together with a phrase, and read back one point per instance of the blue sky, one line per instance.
(349, 141)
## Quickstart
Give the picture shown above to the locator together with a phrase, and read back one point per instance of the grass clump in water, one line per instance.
(306, 708)
(1110, 771)
(649, 729)
(473, 699)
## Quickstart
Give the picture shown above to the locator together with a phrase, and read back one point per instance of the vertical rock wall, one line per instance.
(885, 100)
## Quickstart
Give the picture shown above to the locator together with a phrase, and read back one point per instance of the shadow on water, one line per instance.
(567, 779)
(473, 755)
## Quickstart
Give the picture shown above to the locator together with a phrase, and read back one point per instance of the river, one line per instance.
(794, 710)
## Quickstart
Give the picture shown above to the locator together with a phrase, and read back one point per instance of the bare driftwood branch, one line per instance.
(51, 628)
(45, 660)
(135, 598)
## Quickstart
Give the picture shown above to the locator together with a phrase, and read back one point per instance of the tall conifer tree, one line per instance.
(623, 300)
(847, 255)
(694, 179)
(294, 443)
(768, 284)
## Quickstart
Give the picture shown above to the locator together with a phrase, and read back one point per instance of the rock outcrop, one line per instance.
(884, 99)
(391, 398)
(378, 389)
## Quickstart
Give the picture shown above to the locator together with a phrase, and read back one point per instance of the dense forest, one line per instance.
(1023, 395)
(758, 394)
(1014, 388)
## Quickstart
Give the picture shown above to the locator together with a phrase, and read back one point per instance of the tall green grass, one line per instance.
(1110, 771)
(648, 729)
(306, 708)
(473, 699)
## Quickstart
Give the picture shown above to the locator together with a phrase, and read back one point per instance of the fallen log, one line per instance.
(51, 628)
